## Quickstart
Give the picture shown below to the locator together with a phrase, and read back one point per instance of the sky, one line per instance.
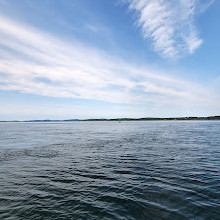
(68, 59)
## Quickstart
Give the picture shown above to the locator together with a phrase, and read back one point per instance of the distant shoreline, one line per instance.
(128, 119)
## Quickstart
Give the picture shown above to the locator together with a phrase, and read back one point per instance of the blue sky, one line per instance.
(62, 59)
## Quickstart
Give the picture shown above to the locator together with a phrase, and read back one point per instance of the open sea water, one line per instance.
(110, 170)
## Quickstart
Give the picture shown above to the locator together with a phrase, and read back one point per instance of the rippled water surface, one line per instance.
(110, 170)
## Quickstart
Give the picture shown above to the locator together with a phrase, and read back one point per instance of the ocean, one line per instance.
(109, 170)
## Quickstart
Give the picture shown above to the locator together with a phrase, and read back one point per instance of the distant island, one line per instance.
(127, 119)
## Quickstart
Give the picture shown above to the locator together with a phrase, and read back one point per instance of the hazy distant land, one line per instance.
(127, 119)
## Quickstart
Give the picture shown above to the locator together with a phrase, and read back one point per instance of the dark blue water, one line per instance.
(110, 170)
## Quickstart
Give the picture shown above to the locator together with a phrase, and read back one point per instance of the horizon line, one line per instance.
(120, 119)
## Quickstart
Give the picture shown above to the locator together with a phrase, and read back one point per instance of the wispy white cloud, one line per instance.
(35, 62)
(169, 24)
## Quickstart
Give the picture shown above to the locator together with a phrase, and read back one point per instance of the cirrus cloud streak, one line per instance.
(35, 62)
(169, 24)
